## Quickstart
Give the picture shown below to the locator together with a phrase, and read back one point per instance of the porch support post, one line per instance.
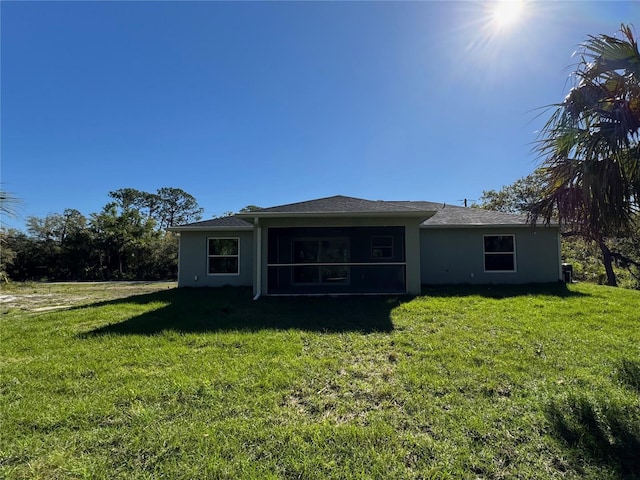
(412, 256)
(257, 280)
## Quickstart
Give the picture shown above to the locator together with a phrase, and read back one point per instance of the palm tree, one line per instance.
(589, 146)
(8, 205)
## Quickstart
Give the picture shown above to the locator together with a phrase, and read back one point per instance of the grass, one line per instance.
(461, 382)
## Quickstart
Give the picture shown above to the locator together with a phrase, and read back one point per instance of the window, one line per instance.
(328, 253)
(382, 247)
(499, 253)
(224, 256)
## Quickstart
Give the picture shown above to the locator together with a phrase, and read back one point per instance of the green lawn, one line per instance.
(465, 382)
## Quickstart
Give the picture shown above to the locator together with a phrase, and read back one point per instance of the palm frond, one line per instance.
(607, 53)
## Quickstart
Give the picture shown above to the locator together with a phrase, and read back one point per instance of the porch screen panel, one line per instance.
(328, 253)
(338, 260)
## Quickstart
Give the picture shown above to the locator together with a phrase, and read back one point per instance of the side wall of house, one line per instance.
(456, 255)
(194, 261)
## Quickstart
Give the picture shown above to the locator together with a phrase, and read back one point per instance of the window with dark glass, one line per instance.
(223, 256)
(499, 253)
(382, 247)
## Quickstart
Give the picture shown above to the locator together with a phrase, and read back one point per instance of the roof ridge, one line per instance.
(402, 203)
(313, 201)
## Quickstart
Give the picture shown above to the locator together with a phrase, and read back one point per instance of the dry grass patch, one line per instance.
(32, 297)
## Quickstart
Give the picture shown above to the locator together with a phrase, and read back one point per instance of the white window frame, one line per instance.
(485, 253)
(209, 256)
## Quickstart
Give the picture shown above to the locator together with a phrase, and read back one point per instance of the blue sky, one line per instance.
(276, 102)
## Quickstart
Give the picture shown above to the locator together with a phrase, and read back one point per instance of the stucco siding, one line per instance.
(456, 255)
(433, 255)
(194, 259)
(412, 240)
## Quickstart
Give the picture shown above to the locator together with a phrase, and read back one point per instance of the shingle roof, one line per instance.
(342, 204)
(445, 215)
(452, 215)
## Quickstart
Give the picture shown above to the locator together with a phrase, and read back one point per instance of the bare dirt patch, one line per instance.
(17, 298)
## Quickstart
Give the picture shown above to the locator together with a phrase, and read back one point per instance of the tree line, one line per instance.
(126, 240)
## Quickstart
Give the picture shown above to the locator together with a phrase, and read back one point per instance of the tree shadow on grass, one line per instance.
(599, 431)
(556, 289)
(192, 310)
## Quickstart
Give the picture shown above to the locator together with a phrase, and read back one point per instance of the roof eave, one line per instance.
(486, 225)
(417, 214)
(186, 228)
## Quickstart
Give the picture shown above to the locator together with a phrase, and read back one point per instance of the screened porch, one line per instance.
(336, 260)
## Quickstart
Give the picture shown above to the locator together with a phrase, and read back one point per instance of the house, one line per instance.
(345, 245)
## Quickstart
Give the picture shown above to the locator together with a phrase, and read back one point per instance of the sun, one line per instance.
(506, 13)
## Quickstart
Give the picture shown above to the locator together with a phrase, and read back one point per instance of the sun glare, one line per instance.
(506, 13)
